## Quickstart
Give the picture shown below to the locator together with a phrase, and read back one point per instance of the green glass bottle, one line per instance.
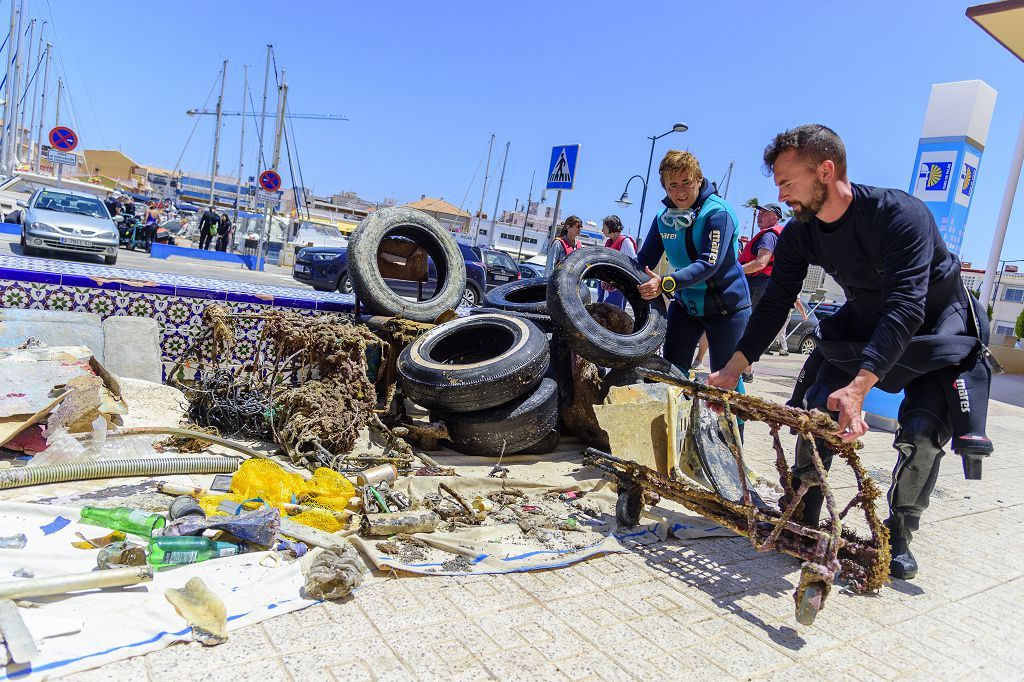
(186, 549)
(134, 521)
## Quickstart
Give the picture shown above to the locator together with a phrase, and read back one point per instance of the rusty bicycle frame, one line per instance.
(829, 551)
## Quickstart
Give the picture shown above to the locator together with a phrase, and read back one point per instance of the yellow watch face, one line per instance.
(668, 285)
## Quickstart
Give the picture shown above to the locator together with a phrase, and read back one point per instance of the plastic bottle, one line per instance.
(13, 541)
(99, 434)
(134, 521)
(186, 549)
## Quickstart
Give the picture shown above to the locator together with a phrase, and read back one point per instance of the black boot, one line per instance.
(903, 564)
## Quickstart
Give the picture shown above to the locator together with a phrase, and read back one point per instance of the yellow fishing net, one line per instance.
(326, 491)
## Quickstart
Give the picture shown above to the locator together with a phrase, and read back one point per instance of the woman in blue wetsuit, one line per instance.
(697, 232)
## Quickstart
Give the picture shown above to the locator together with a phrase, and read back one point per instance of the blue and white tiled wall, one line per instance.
(176, 302)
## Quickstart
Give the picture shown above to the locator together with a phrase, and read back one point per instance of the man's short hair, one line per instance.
(813, 143)
(676, 161)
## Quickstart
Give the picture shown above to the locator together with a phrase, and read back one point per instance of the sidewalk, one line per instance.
(702, 609)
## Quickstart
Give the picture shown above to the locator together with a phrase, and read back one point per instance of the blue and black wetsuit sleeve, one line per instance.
(653, 248)
(717, 237)
(772, 311)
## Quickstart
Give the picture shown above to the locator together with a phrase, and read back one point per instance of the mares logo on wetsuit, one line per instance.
(716, 241)
(961, 390)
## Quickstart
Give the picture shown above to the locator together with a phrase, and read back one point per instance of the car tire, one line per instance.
(507, 428)
(473, 363)
(520, 296)
(808, 344)
(110, 260)
(344, 284)
(471, 296)
(584, 335)
(548, 443)
(26, 250)
(542, 322)
(441, 247)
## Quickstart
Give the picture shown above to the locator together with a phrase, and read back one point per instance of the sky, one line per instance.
(424, 84)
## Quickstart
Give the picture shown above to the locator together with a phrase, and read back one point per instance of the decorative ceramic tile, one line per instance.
(176, 302)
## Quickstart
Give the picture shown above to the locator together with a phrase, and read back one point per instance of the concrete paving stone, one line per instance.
(849, 663)
(691, 665)
(264, 670)
(784, 633)
(591, 664)
(897, 652)
(545, 586)
(525, 627)
(666, 632)
(741, 655)
(393, 607)
(619, 634)
(522, 665)
(483, 596)
(348, 656)
(429, 670)
(591, 610)
(445, 642)
(191, 659)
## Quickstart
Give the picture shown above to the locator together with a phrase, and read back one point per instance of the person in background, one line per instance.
(223, 232)
(113, 204)
(567, 241)
(696, 230)
(208, 223)
(611, 228)
(127, 204)
(150, 221)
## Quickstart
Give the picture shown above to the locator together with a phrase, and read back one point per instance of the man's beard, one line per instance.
(807, 211)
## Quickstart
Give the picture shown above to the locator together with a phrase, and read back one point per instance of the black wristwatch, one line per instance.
(668, 284)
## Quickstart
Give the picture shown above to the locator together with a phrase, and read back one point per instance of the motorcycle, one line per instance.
(132, 233)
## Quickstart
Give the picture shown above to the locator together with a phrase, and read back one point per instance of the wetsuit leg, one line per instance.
(924, 429)
(681, 337)
(724, 334)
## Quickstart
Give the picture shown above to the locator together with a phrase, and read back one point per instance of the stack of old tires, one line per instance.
(484, 377)
(493, 377)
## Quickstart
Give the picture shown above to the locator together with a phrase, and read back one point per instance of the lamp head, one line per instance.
(624, 200)
(680, 128)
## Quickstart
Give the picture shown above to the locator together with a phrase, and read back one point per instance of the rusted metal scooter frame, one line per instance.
(829, 551)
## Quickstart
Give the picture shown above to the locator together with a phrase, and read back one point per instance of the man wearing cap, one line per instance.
(757, 259)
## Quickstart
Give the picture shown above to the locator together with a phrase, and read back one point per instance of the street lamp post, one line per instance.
(624, 201)
(677, 128)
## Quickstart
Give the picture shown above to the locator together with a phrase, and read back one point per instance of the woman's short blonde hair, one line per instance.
(676, 161)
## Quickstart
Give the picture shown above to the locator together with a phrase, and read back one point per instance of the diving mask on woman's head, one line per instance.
(679, 218)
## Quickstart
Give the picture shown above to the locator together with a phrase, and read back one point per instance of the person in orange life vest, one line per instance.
(567, 241)
(611, 228)
(757, 259)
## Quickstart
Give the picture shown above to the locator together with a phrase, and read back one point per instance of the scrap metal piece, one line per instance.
(422, 521)
(203, 610)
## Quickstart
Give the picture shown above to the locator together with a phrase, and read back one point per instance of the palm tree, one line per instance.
(790, 213)
(752, 204)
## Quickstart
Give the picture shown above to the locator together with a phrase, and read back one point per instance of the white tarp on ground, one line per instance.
(89, 629)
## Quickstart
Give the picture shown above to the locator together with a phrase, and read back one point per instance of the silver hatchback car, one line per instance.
(65, 220)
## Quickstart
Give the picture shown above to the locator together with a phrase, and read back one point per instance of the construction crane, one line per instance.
(324, 117)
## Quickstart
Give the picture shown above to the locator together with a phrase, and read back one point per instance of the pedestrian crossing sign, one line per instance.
(562, 170)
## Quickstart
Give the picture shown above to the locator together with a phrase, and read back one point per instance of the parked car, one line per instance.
(530, 271)
(325, 268)
(501, 269)
(67, 221)
(800, 332)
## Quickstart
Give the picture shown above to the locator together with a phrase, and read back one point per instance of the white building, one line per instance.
(1007, 297)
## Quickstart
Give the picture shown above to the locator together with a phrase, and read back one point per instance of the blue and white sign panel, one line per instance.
(562, 169)
(944, 179)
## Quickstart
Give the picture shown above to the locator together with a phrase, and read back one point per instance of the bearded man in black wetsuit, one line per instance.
(908, 324)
